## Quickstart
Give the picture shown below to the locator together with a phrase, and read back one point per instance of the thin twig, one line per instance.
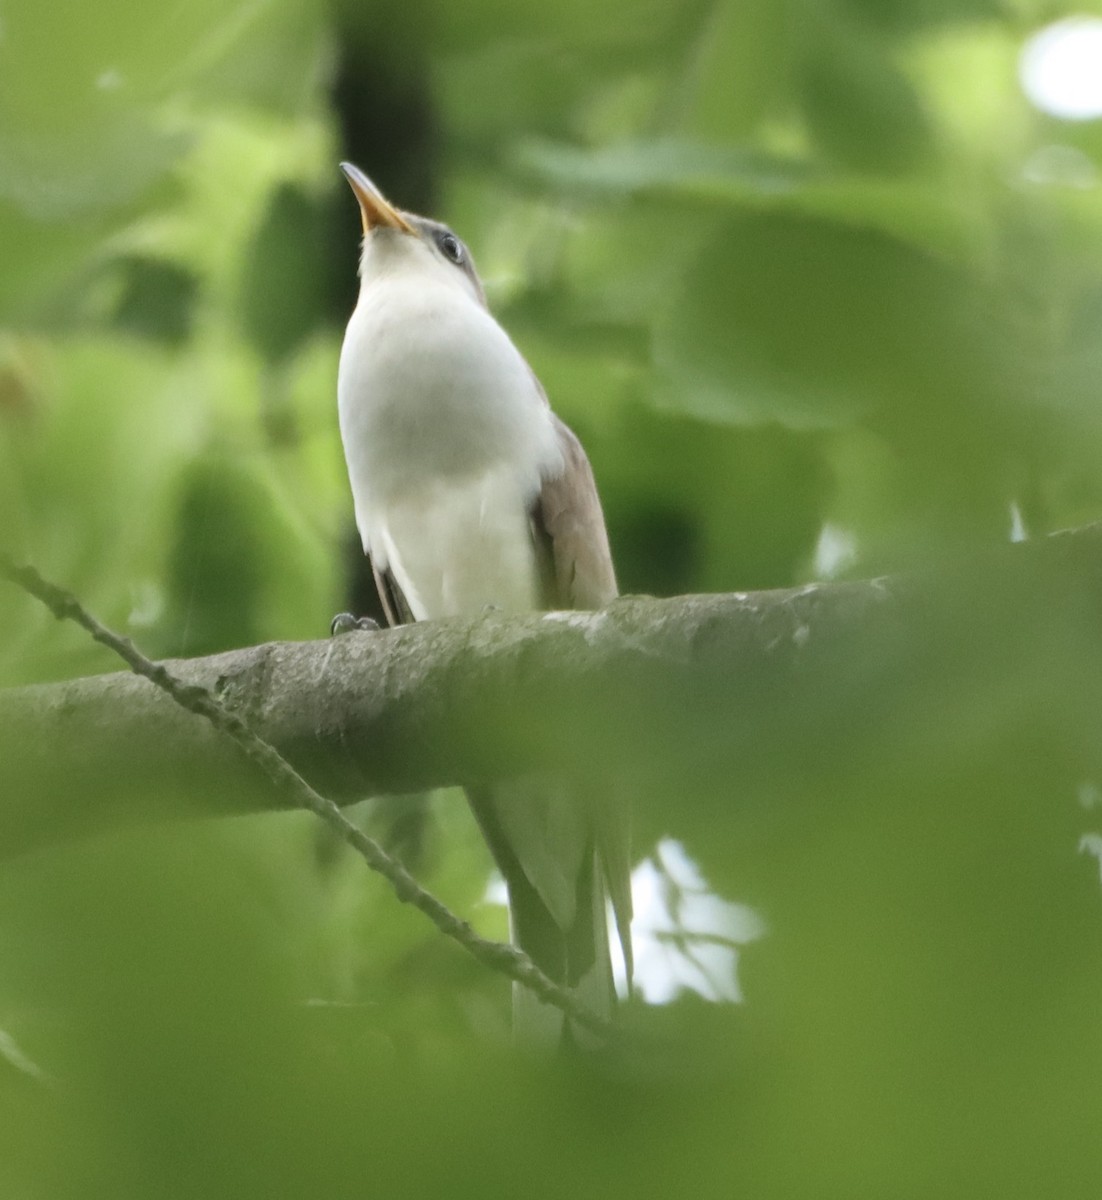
(506, 959)
(684, 939)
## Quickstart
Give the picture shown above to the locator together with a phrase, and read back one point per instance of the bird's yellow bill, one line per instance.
(374, 209)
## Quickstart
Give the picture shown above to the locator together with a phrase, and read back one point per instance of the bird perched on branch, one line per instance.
(469, 494)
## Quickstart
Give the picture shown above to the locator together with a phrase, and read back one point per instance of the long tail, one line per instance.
(569, 943)
(577, 958)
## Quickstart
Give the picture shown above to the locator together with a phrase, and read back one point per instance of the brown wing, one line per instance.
(569, 528)
(391, 598)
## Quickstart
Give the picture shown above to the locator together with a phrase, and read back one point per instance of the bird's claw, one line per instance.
(347, 623)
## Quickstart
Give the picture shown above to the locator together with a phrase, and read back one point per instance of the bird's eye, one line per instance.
(451, 247)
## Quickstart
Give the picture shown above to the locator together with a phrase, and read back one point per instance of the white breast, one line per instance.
(447, 438)
(460, 547)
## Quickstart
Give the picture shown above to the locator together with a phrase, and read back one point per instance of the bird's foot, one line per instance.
(347, 623)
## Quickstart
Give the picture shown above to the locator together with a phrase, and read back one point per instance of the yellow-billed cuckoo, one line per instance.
(470, 493)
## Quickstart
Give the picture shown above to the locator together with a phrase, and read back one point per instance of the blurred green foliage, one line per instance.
(822, 294)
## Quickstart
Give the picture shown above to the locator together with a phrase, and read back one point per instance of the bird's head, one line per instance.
(403, 244)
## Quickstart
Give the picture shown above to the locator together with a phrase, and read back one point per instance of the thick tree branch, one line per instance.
(196, 699)
(671, 694)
